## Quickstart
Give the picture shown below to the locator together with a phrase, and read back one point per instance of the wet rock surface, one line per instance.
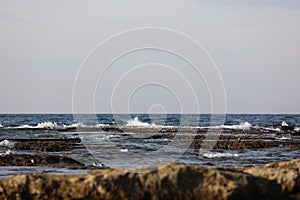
(39, 160)
(172, 181)
(47, 145)
(247, 142)
(241, 142)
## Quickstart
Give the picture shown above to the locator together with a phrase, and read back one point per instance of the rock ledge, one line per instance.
(174, 181)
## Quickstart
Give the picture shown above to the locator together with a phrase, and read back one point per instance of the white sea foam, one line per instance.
(46, 125)
(297, 129)
(42, 125)
(273, 129)
(55, 126)
(136, 123)
(124, 150)
(21, 127)
(284, 123)
(76, 125)
(284, 138)
(7, 152)
(1, 126)
(101, 125)
(7, 143)
(241, 126)
(219, 155)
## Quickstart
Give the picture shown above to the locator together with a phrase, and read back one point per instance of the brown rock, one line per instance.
(173, 181)
(47, 145)
(285, 174)
(38, 160)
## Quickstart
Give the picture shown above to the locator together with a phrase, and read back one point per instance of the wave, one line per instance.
(42, 125)
(284, 123)
(219, 155)
(284, 138)
(136, 123)
(48, 125)
(7, 143)
(7, 152)
(241, 126)
(55, 126)
(124, 150)
(272, 129)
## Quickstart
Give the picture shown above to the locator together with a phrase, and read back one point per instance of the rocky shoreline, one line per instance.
(166, 181)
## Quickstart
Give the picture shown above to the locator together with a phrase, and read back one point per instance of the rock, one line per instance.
(168, 130)
(246, 142)
(285, 174)
(38, 160)
(47, 145)
(165, 181)
(112, 129)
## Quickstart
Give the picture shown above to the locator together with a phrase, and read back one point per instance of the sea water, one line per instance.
(116, 136)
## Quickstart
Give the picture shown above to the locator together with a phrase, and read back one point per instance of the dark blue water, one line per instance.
(138, 139)
(262, 120)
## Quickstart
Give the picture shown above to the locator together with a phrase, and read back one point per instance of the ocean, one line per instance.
(121, 141)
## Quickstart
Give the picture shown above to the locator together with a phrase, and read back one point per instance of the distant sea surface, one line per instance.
(107, 137)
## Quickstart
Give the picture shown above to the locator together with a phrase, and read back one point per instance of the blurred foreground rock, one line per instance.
(173, 181)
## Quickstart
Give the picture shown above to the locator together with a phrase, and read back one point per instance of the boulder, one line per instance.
(164, 181)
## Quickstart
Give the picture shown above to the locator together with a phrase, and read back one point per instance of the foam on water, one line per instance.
(76, 125)
(136, 123)
(42, 125)
(284, 138)
(47, 125)
(284, 123)
(272, 129)
(7, 152)
(55, 126)
(101, 125)
(241, 126)
(7, 143)
(124, 150)
(219, 155)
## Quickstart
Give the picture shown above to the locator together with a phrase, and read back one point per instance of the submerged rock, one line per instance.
(173, 181)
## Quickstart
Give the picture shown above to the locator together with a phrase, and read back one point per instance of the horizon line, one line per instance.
(143, 113)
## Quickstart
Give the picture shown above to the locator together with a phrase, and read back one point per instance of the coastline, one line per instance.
(51, 157)
(278, 180)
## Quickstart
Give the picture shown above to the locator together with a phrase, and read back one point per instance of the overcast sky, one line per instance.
(255, 44)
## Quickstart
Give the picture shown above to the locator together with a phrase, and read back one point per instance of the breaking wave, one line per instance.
(7, 152)
(219, 155)
(136, 123)
(48, 125)
(7, 143)
(241, 126)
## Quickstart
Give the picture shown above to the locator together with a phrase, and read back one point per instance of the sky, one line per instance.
(255, 45)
